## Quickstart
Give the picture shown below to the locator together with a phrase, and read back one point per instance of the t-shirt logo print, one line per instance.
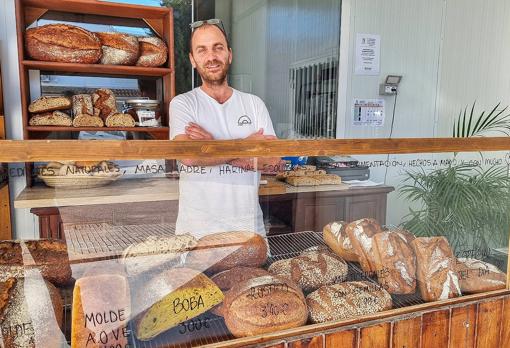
(243, 120)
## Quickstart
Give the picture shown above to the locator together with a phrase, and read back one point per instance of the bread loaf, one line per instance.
(82, 105)
(104, 100)
(395, 263)
(476, 276)
(222, 251)
(336, 238)
(360, 233)
(328, 179)
(312, 269)
(347, 300)
(45, 104)
(156, 252)
(118, 48)
(437, 276)
(170, 298)
(54, 118)
(45, 255)
(120, 120)
(264, 304)
(31, 312)
(227, 279)
(101, 310)
(85, 120)
(62, 43)
(302, 181)
(153, 52)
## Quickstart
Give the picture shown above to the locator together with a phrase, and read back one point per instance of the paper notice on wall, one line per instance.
(368, 112)
(368, 54)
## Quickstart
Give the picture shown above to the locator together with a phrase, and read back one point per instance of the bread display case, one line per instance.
(125, 270)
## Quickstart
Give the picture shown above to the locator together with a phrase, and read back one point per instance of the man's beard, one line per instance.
(217, 78)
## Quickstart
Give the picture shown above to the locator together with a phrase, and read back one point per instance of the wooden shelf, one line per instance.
(96, 69)
(99, 8)
(104, 129)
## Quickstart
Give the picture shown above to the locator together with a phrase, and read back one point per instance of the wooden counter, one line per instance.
(155, 200)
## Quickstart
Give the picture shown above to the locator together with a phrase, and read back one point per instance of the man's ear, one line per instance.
(192, 60)
(230, 55)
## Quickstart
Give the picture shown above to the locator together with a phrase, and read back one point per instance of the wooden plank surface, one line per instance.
(5, 214)
(48, 150)
(342, 339)
(406, 333)
(435, 328)
(375, 336)
(315, 342)
(505, 323)
(488, 329)
(463, 326)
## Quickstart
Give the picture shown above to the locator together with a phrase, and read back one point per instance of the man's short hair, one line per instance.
(203, 26)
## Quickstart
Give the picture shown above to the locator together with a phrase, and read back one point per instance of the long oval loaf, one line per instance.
(170, 298)
(62, 43)
(347, 300)
(336, 238)
(222, 251)
(264, 304)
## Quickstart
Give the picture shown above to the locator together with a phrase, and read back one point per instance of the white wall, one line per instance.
(24, 223)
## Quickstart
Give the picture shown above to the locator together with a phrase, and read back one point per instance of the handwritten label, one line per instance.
(149, 169)
(192, 169)
(474, 254)
(381, 273)
(271, 309)
(194, 325)
(18, 330)
(266, 290)
(103, 339)
(359, 290)
(104, 317)
(188, 304)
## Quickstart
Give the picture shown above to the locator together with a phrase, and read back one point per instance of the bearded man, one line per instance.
(218, 194)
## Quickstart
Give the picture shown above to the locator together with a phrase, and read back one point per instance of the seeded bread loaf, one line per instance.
(31, 312)
(437, 276)
(328, 179)
(222, 251)
(264, 304)
(82, 105)
(101, 310)
(227, 279)
(156, 252)
(170, 298)
(395, 262)
(476, 276)
(120, 120)
(47, 256)
(54, 118)
(360, 233)
(153, 52)
(62, 43)
(336, 238)
(347, 300)
(311, 269)
(104, 100)
(85, 120)
(302, 181)
(118, 48)
(45, 104)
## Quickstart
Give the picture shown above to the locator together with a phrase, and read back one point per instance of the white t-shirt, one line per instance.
(219, 198)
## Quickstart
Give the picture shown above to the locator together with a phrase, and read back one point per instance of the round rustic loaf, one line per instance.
(360, 233)
(229, 278)
(312, 269)
(118, 48)
(153, 52)
(337, 239)
(62, 43)
(31, 312)
(223, 251)
(49, 256)
(264, 304)
(347, 300)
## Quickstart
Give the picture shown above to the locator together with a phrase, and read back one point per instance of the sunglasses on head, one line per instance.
(213, 21)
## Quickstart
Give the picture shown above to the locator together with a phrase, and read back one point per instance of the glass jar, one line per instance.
(146, 112)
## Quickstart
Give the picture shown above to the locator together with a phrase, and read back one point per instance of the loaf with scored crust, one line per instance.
(45, 104)
(118, 48)
(336, 238)
(477, 276)
(62, 43)
(361, 233)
